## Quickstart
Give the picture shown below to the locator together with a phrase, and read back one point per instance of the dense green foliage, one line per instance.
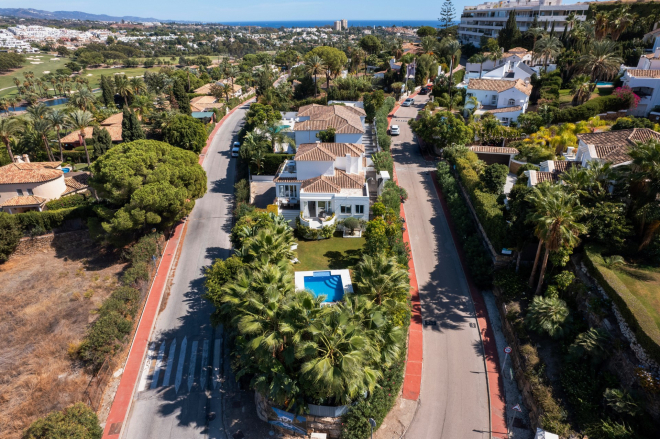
(75, 422)
(131, 129)
(441, 129)
(591, 108)
(67, 202)
(153, 184)
(10, 234)
(186, 133)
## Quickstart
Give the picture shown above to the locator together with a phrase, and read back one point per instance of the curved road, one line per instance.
(453, 401)
(179, 391)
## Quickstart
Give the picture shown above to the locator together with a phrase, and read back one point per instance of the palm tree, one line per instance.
(314, 66)
(258, 159)
(12, 101)
(36, 112)
(123, 88)
(143, 105)
(474, 102)
(80, 120)
(278, 137)
(548, 314)
(536, 33)
(83, 99)
(547, 47)
(270, 245)
(452, 49)
(42, 128)
(429, 45)
(601, 62)
(581, 89)
(601, 25)
(382, 279)
(138, 85)
(57, 120)
(9, 128)
(4, 106)
(232, 73)
(478, 58)
(555, 216)
(645, 187)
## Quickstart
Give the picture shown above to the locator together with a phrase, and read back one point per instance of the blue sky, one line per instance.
(250, 10)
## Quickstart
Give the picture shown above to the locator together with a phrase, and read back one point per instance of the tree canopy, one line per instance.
(152, 184)
(185, 132)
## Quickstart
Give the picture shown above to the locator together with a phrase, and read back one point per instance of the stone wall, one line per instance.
(40, 244)
(613, 115)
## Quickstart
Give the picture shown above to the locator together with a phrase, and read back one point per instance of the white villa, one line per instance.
(607, 147)
(325, 182)
(505, 99)
(511, 57)
(348, 122)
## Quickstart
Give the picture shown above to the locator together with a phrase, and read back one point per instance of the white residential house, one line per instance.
(515, 55)
(645, 84)
(505, 99)
(324, 183)
(606, 147)
(348, 122)
(510, 71)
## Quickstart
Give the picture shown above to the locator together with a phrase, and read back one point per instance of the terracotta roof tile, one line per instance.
(14, 173)
(73, 136)
(564, 165)
(115, 119)
(76, 183)
(327, 151)
(550, 177)
(493, 149)
(344, 119)
(639, 73)
(613, 146)
(333, 184)
(30, 200)
(499, 85)
(505, 109)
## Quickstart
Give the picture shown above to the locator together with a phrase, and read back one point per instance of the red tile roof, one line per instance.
(333, 184)
(14, 173)
(30, 200)
(344, 119)
(613, 146)
(327, 151)
(499, 85)
(493, 149)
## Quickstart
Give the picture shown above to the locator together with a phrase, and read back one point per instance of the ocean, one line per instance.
(320, 23)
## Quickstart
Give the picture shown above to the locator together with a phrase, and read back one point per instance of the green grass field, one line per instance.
(7, 86)
(334, 253)
(644, 284)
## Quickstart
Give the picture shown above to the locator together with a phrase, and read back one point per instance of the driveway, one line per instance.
(453, 400)
(179, 391)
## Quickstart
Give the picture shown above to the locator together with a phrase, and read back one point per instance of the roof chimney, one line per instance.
(26, 158)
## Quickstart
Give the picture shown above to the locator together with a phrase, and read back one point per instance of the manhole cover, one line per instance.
(430, 323)
(473, 325)
(238, 435)
(237, 404)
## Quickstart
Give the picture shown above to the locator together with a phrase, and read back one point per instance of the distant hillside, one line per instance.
(67, 15)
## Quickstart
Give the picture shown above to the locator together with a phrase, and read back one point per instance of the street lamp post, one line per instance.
(372, 423)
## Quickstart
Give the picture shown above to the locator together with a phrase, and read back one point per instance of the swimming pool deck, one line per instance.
(345, 278)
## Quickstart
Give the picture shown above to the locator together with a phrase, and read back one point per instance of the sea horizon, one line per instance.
(320, 23)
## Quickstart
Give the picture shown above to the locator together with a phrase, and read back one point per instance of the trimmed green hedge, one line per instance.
(589, 109)
(636, 316)
(67, 202)
(51, 219)
(271, 163)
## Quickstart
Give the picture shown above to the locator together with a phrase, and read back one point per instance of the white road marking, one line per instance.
(216, 362)
(145, 368)
(159, 364)
(202, 372)
(191, 367)
(170, 363)
(179, 367)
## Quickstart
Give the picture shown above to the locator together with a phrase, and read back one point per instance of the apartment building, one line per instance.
(488, 18)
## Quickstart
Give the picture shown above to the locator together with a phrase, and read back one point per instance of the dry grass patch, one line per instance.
(48, 301)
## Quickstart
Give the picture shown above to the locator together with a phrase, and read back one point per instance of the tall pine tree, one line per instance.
(102, 141)
(447, 14)
(535, 22)
(510, 35)
(108, 92)
(131, 129)
(181, 97)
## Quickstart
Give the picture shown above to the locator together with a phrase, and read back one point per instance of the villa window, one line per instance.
(493, 100)
(505, 121)
(288, 191)
(19, 192)
(512, 102)
(30, 192)
(359, 209)
(345, 209)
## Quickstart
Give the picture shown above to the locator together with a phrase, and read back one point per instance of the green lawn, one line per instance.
(334, 253)
(38, 70)
(644, 284)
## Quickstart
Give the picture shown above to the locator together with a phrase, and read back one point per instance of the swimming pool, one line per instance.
(604, 84)
(323, 283)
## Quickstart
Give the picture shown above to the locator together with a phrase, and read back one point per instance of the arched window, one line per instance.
(512, 102)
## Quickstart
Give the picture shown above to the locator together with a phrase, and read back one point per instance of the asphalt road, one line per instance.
(179, 391)
(453, 400)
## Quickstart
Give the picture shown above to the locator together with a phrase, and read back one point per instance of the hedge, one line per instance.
(67, 202)
(271, 163)
(589, 109)
(47, 220)
(632, 310)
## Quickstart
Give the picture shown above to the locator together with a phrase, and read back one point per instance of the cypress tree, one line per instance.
(181, 97)
(535, 22)
(564, 35)
(131, 129)
(102, 141)
(510, 34)
(108, 91)
(136, 127)
(545, 26)
(552, 29)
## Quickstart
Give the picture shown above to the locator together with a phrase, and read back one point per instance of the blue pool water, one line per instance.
(326, 284)
(604, 84)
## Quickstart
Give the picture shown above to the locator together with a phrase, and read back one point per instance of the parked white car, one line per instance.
(394, 130)
(408, 102)
(235, 149)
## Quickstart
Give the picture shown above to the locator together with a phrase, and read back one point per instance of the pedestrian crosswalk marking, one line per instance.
(202, 373)
(147, 365)
(159, 364)
(170, 363)
(179, 368)
(191, 368)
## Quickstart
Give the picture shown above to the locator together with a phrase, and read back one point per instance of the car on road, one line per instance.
(408, 102)
(423, 90)
(394, 130)
(236, 147)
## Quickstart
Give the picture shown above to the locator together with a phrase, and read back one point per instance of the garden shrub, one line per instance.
(11, 232)
(271, 163)
(67, 202)
(632, 310)
(590, 108)
(242, 191)
(52, 219)
(75, 422)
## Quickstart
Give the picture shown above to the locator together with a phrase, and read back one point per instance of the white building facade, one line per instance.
(505, 99)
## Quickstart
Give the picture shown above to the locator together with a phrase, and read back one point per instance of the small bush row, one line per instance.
(590, 108)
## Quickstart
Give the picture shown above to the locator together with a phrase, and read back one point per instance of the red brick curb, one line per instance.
(412, 380)
(496, 387)
(124, 396)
